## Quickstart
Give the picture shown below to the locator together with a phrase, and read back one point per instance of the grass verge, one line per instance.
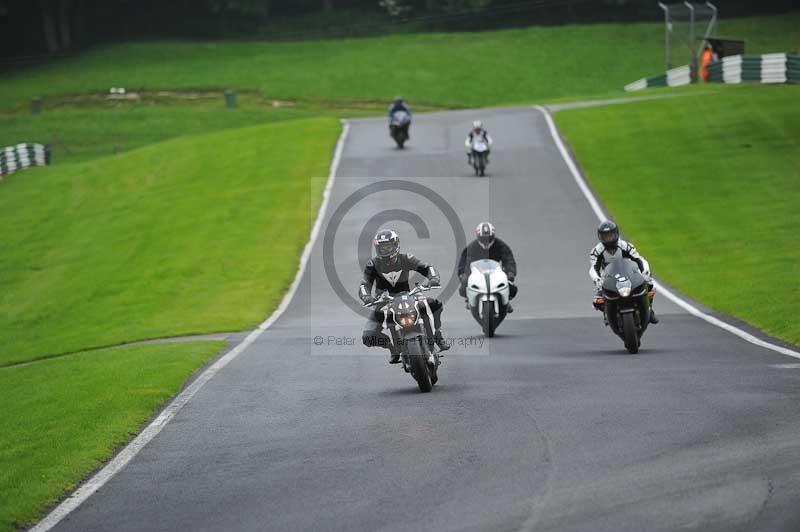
(193, 235)
(62, 418)
(707, 188)
(85, 127)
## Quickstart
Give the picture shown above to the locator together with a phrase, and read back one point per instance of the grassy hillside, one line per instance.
(458, 70)
(193, 235)
(712, 188)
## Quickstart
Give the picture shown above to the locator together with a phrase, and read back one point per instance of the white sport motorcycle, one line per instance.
(487, 294)
(480, 155)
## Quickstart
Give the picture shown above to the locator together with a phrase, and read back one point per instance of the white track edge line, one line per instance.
(685, 305)
(132, 449)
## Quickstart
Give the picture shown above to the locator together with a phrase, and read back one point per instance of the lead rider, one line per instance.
(389, 271)
(606, 251)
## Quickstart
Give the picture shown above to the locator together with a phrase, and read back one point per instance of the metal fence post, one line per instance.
(666, 33)
(692, 41)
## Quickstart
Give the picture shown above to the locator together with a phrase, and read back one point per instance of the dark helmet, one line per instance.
(608, 234)
(387, 244)
(398, 100)
(485, 232)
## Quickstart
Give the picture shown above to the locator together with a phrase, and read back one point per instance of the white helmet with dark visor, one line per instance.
(485, 232)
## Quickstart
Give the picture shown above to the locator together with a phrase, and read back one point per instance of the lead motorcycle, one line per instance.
(487, 294)
(398, 127)
(410, 324)
(626, 302)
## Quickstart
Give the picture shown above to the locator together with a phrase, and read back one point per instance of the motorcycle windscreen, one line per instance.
(484, 266)
(399, 118)
(479, 145)
(620, 268)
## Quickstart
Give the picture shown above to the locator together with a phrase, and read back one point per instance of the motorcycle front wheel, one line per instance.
(488, 319)
(629, 332)
(418, 360)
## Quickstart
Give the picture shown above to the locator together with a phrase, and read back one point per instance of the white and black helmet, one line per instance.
(485, 232)
(387, 244)
(477, 124)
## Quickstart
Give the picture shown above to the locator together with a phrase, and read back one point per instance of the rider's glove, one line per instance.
(511, 279)
(368, 300)
(433, 282)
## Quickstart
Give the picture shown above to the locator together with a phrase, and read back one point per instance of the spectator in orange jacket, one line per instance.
(706, 57)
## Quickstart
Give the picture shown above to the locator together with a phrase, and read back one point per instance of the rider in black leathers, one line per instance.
(488, 246)
(389, 272)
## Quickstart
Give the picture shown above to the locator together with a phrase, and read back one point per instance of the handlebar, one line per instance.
(385, 297)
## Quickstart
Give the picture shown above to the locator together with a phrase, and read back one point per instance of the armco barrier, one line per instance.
(13, 158)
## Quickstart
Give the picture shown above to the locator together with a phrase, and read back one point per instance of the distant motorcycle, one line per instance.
(398, 127)
(411, 329)
(487, 294)
(480, 155)
(626, 302)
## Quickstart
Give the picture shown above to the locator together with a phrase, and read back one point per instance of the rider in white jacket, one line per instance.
(604, 252)
(477, 130)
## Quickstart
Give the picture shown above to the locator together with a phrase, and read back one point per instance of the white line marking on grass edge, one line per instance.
(688, 307)
(132, 449)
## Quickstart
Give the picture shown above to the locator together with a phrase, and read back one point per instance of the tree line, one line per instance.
(37, 27)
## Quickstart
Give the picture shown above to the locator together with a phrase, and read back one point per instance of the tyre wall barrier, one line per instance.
(21, 156)
(670, 78)
(767, 68)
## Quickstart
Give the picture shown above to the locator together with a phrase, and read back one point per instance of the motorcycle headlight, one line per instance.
(624, 291)
(409, 319)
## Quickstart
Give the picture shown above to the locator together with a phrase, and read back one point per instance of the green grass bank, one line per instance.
(193, 235)
(449, 70)
(708, 187)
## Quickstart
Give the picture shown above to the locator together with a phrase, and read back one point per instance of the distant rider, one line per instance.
(399, 105)
(389, 272)
(478, 131)
(487, 246)
(605, 252)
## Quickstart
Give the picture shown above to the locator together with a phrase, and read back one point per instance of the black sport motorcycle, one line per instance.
(398, 127)
(410, 323)
(626, 302)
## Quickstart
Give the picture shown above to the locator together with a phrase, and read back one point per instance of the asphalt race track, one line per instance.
(549, 426)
